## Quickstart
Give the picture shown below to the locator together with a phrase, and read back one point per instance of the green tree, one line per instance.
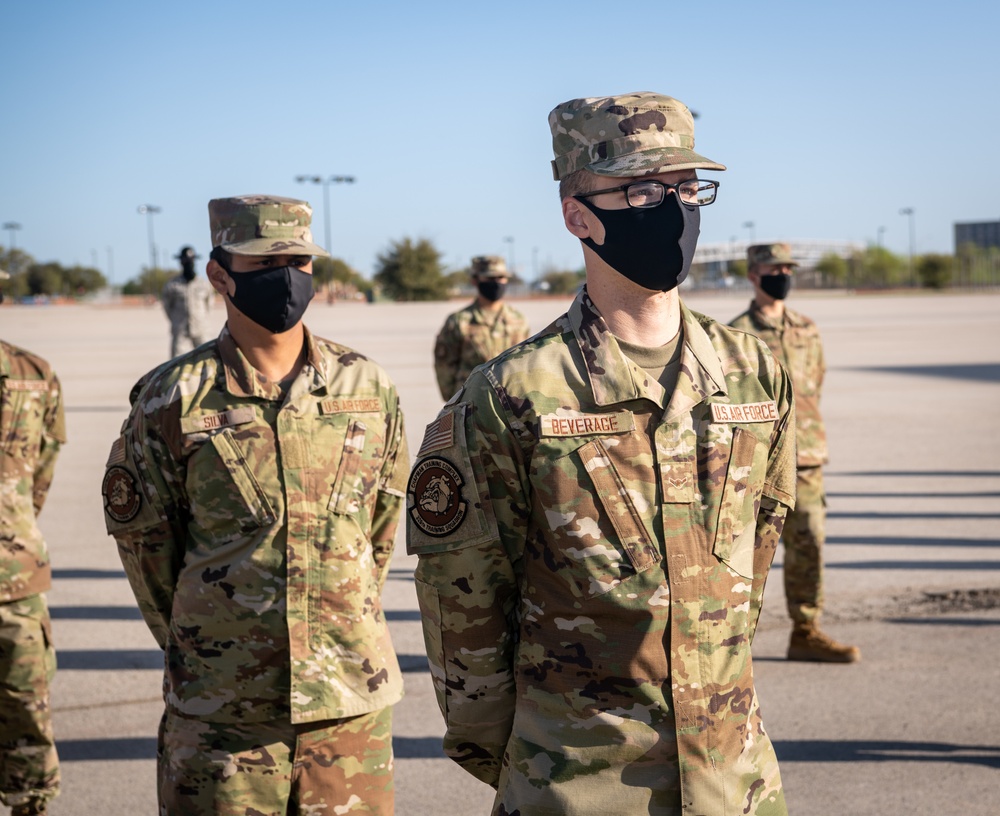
(934, 271)
(878, 267)
(79, 280)
(833, 268)
(563, 281)
(411, 270)
(149, 282)
(737, 268)
(328, 270)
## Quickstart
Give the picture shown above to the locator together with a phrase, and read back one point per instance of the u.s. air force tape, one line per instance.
(745, 412)
(439, 507)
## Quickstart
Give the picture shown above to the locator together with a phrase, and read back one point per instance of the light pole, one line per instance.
(908, 211)
(149, 211)
(12, 227)
(326, 182)
(881, 232)
(749, 225)
(509, 239)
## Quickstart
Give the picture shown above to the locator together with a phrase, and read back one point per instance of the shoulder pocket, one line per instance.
(444, 496)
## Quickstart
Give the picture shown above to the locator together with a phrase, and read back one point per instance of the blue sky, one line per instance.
(830, 116)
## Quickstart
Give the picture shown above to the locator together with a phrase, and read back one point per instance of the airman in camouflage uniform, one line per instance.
(187, 300)
(794, 339)
(254, 495)
(481, 330)
(32, 428)
(596, 511)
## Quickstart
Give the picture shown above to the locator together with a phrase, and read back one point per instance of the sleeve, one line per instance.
(820, 367)
(467, 508)
(53, 436)
(778, 496)
(144, 511)
(447, 356)
(391, 492)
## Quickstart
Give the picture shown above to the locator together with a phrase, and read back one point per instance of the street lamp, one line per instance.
(326, 182)
(749, 225)
(12, 227)
(509, 239)
(881, 232)
(149, 211)
(908, 211)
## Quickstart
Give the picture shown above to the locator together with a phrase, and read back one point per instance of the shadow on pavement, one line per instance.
(885, 751)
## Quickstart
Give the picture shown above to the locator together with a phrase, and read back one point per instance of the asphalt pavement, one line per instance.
(912, 403)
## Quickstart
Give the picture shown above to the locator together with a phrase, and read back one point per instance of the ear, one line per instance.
(219, 278)
(575, 218)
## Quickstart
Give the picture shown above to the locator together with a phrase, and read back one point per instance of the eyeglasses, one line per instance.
(644, 195)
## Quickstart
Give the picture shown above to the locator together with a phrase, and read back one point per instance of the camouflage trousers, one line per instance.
(182, 340)
(273, 769)
(29, 766)
(804, 533)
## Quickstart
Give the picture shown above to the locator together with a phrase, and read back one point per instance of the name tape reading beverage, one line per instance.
(585, 424)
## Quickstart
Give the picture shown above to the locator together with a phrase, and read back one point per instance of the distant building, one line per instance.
(711, 261)
(983, 234)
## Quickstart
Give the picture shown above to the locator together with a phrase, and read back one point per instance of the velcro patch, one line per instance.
(121, 498)
(351, 405)
(746, 412)
(25, 385)
(585, 424)
(438, 505)
(440, 434)
(212, 422)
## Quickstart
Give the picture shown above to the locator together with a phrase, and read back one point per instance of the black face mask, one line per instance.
(777, 286)
(274, 298)
(187, 269)
(492, 290)
(651, 247)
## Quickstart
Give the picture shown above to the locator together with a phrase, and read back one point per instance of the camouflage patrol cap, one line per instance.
(489, 266)
(770, 254)
(628, 135)
(262, 225)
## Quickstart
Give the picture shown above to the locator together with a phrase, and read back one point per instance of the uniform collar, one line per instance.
(243, 380)
(480, 315)
(614, 378)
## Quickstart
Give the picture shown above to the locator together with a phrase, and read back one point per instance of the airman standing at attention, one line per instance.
(481, 330)
(32, 428)
(596, 510)
(254, 494)
(187, 300)
(794, 339)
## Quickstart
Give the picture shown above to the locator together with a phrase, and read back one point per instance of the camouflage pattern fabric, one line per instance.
(471, 337)
(32, 428)
(262, 225)
(795, 341)
(187, 304)
(256, 531)
(804, 535)
(632, 134)
(29, 764)
(592, 557)
(339, 767)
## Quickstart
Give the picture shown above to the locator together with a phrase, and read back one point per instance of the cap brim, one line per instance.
(647, 162)
(273, 246)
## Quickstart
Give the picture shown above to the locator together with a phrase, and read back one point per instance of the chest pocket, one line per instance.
(349, 484)
(21, 418)
(736, 530)
(226, 499)
(599, 533)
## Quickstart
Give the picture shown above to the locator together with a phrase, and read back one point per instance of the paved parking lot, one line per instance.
(913, 560)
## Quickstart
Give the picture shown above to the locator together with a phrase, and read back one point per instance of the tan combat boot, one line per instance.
(36, 807)
(809, 643)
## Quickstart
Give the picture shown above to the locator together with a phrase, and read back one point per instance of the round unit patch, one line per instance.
(121, 499)
(438, 507)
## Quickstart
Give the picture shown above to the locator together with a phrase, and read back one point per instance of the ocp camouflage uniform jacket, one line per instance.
(592, 556)
(471, 337)
(795, 341)
(187, 304)
(257, 533)
(32, 427)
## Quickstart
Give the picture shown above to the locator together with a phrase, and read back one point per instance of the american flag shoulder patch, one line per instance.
(440, 434)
